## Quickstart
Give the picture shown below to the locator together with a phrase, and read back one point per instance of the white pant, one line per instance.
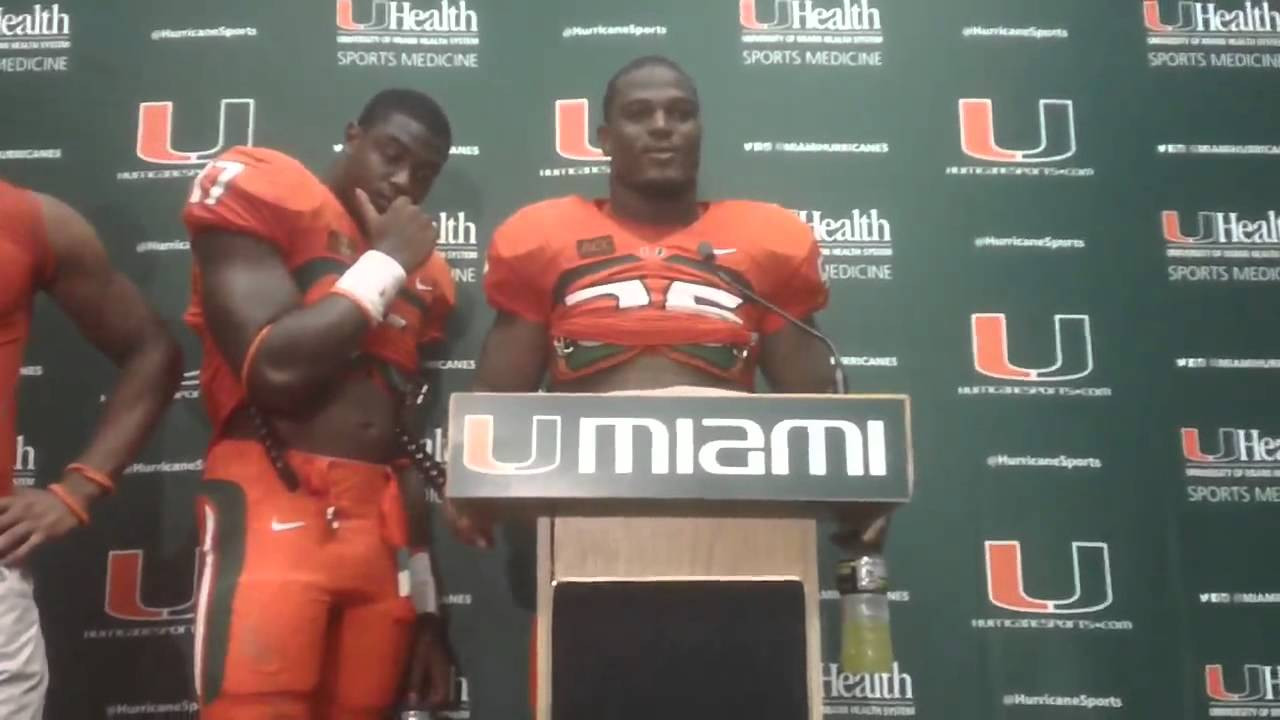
(24, 670)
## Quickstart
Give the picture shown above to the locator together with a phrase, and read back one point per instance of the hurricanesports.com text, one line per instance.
(218, 32)
(1079, 701)
(1049, 624)
(613, 30)
(1043, 243)
(42, 154)
(1033, 33)
(1061, 461)
(140, 632)
(147, 246)
(145, 709)
(165, 467)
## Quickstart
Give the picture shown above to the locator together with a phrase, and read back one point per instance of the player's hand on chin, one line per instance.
(403, 231)
(28, 519)
(429, 675)
(471, 528)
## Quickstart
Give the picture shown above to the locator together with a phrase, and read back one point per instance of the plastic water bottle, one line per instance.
(865, 642)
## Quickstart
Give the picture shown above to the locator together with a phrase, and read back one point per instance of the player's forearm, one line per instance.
(796, 362)
(509, 384)
(303, 353)
(513, 357)
(813, 383)
(147, 379)
(802, 373)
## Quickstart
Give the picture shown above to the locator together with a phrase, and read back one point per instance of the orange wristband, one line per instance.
(61, 493)
(97, 478)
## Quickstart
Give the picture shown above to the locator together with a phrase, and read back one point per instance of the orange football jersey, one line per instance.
(26, 263)
(568, 264)
(272, 197)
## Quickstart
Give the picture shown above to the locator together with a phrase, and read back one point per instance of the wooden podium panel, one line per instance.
(657, 549)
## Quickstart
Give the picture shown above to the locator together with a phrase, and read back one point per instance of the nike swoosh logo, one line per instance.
(423, 288)
(724, 251)
(277, 526)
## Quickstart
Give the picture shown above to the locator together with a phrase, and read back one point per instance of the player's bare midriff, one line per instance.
(647, 371)
(356, 421)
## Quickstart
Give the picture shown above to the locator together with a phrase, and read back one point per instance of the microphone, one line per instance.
(707, 254)
(866, 644)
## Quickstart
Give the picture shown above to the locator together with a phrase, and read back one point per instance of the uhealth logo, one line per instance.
(978, 133)
(1247, 18)
(1230, 465)
(1221, 228)
(1091, 563)
(27, 37)
(24, 462)
(1230, 239)
(156, 132)
(1073, 345)
(826, 33)
(1221, 35)
(40, 23)
(1260, 688)
(391, 16)
(851, 234)
(809, 16)
(1236, 446)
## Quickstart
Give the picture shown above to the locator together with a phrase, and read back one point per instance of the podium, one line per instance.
(676, 536)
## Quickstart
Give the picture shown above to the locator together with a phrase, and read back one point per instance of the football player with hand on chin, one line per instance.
(315, 301)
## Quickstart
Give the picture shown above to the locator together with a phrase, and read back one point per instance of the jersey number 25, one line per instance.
(682, 296)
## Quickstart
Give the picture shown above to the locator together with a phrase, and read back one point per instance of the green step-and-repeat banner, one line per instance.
(1052, 224)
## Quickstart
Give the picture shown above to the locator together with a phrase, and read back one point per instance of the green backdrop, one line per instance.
(1051, 224)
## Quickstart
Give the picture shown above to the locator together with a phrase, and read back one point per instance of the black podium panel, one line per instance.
(678, 650)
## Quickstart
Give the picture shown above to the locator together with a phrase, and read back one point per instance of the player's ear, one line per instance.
(351, 135)
(604, 139)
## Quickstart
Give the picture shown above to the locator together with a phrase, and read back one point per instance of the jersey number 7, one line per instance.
(215, 176)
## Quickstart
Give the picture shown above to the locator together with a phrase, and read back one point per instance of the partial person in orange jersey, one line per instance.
(46, 246)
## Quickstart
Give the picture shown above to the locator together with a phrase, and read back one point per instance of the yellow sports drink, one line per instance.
(866, 645)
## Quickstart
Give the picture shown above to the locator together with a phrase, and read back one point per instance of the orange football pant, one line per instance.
(298, 614)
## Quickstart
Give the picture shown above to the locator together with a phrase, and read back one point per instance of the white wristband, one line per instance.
(372, 282)
(422, 584)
